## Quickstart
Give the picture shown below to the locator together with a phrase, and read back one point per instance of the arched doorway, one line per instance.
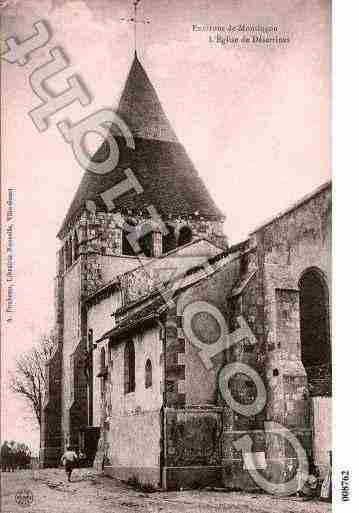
(314, 324)
(316, 358)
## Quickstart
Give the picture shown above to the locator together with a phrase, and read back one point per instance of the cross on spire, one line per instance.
(135, 21)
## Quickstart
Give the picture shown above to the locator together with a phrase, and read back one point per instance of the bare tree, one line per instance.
(29, 376)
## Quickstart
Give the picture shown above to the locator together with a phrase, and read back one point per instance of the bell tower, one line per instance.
(173, 210)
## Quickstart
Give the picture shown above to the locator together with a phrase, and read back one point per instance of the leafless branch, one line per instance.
(29, 378)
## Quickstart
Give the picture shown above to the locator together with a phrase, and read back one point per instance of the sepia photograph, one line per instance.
(166, 313)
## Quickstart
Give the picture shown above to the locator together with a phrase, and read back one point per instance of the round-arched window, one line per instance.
(169, 240)
(76, 247)
(146, 239)
(129, 367)
(70, 252)
(148, 374)
(127, 248)
(315, 331)
(102, 360)
(185, 235)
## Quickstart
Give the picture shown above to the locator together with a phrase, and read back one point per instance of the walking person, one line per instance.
(69, 459)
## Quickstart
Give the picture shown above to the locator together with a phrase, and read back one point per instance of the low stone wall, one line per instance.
(144, 475)
(274, 456)
(132, 447)
(235, 475)
(191, 477)
(192, 447)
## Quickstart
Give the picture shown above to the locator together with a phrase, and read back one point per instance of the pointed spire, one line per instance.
(160, 163)
(141, 108)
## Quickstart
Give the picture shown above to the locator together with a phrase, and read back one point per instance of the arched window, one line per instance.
(148, 374)
(66, 255)
(244, 265)
(169, 241)
(76, 247)
(146, 239)
(185, 235)
(126, 246)
(61, 261)
(102, 371)
(315, 326)
(69, 251)
(129, 367)
(102, 360)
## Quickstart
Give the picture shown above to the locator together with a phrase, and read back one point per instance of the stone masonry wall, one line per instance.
(200, 384)
(287, 247)
(51, 436)
(247, 303)
(131, 426)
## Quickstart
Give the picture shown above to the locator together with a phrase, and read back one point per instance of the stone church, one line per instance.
(127, 385)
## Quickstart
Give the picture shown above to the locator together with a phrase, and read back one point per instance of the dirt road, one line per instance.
(93, 493)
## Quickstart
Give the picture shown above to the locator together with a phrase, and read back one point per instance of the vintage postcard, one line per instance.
(166, 256)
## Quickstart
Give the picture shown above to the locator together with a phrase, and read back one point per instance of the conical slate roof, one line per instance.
(159, 162)
(141, 108)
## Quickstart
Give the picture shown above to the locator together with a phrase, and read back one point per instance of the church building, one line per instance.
(128, 384)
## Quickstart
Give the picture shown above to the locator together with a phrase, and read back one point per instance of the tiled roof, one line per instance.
(147, 309)
(159, 162)
(136, 318)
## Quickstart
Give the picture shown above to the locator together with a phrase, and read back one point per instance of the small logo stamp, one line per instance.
(24, 497)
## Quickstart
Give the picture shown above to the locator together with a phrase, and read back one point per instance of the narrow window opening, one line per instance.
(169, 241)
(146, 239)
(76, 247)
(148, 374)
(69, 247)
(185, 236)
(129, 367)
(126, 245)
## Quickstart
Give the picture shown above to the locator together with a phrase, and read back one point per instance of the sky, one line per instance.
(254, 118)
